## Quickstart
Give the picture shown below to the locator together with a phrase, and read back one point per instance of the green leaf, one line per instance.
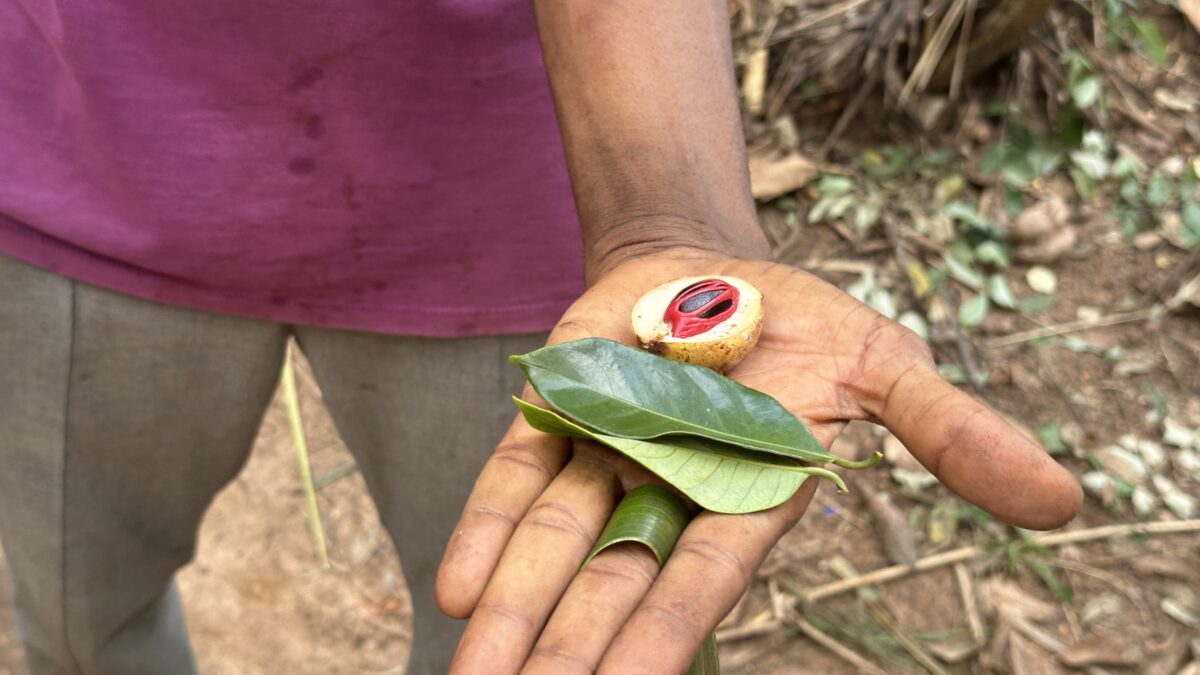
(1035, 304)
(1044, 161)
(655, 517)
(961, 211)
(832, 185)
(948, 188)
(1131, 219)
(1189, 216)
(992, 253)
(1000, 292)
(1151, 41)
(1085, 185)
(1086, 91)
(1131, 192)
(965, 274)
(916, 323)
(716, 476)
(972, 312)
(1158, 190)
(993, 158)
(1014, 202)
(1017, 170)
(1051, 438)
(867, 213)
(953, 373)
(1093, 164)
(621, 391)
(1128, 165)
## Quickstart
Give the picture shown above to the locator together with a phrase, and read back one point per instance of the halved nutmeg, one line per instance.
(708, 321)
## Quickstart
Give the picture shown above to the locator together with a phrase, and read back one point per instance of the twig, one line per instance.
(815, 20)
(970, 552)
(760, 624)
(816, 635)
(1043, 639)
(932, 55)
(873, 599)
(970, 604)
(848, 114)
(1076, 326)
(960, 58)
(296, 422)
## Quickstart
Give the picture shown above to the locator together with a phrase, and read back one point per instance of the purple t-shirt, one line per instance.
(383, 165)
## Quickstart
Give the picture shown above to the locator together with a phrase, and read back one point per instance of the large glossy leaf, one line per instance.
(621, 391)
(655, 517)
(716, 476)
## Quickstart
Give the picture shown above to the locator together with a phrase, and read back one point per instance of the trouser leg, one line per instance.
(120, 419)
(420, 416)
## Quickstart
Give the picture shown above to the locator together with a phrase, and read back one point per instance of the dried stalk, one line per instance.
(970, 552)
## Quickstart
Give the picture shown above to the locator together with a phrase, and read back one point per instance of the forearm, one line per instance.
(646, 101)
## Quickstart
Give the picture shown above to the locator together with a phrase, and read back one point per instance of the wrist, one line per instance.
(627, 239)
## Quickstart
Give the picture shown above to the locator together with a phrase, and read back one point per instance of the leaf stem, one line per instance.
(824, 473)
(863, 464)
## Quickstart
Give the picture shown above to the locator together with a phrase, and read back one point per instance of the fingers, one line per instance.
(976, 453)
(707, 573)
(542, 557)
(593, 609)
(524, 463)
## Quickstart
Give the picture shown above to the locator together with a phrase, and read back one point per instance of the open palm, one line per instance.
(541, 501)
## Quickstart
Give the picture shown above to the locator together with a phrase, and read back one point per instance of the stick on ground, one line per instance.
(969, 552)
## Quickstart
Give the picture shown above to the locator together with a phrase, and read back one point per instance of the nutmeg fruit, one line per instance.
(708, 321)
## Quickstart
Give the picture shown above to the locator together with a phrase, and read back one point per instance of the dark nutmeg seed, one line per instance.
(700, 307)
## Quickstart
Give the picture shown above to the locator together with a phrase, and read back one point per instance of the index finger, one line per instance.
(976, 452)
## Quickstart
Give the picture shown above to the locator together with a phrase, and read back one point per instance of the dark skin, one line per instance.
(646, 101)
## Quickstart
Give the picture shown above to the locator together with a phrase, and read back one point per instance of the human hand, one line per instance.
(512, 564)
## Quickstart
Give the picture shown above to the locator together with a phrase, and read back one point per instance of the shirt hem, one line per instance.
(531, 317)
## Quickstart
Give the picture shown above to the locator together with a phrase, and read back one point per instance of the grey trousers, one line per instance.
(120, 420)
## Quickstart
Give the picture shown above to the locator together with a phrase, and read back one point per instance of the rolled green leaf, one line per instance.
(655, 517)
(624, 392)
(650, 515)
(716, 476)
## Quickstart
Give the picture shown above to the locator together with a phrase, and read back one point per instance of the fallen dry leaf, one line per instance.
(953, 650)
(1049, 248)
(1167, 566)
(773, 174)
(1005, 597)
(1166, 658)
(899, 542)
(1040, 220)
(1027, 658)
(1098, 651)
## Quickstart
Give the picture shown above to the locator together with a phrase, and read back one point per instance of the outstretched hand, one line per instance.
(513, 562)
